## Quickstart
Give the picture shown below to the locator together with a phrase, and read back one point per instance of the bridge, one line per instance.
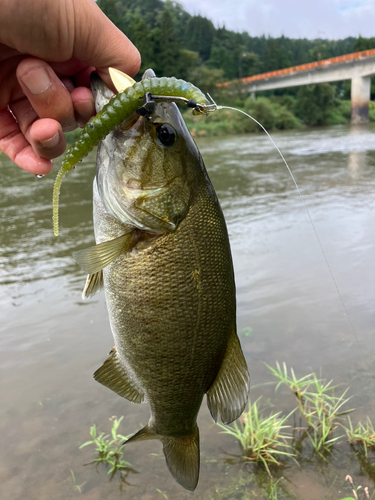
(357, 67)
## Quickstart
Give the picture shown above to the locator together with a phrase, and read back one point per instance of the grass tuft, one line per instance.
(317, 402)
(361, 434)
(262, 439)
(109, 451)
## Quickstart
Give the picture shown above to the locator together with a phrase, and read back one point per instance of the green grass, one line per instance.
(109, 451)
(363, 434)
(318, 404)
(297, 386)
(262, 439)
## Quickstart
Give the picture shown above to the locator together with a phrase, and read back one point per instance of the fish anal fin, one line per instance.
(94, 259)
(182, 457)
(144, 434)
(94, 283)
(227, 397)
(114, 376)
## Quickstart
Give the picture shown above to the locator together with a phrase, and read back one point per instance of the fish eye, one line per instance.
(166, 135)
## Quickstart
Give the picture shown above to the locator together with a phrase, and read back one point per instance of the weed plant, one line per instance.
(318, 404)
(357, 491)
(297, 386)
(76, 487)
(164, 495)
(262, 439)
(361, 434)
(109, 451)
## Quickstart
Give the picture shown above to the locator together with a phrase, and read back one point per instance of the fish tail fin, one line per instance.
(181, 454)
(182, 457)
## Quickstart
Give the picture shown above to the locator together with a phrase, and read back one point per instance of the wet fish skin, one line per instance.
(170, 289)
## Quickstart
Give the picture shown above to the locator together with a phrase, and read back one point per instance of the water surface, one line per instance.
(51, 341)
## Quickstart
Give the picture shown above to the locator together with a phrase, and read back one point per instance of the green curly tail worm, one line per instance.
(112, 114)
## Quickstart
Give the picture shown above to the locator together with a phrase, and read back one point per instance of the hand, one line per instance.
(48, 48)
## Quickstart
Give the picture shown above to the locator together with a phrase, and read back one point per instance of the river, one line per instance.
(293, 306)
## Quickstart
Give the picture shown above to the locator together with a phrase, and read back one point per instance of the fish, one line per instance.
(163, 258)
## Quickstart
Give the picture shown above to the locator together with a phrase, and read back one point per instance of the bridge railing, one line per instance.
(303, 67)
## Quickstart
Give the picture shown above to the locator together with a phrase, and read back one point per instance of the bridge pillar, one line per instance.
(360, 96)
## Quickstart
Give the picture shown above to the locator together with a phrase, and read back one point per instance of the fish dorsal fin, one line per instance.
(94, 283)
(94, 259)
(228, 394)
(114, 376)
(182, 457)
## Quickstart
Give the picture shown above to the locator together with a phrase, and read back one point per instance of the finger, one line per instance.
(9, 86)
(44, 135)
(82, 100)
(100, 44)
(84, 104)
(15, 146)
(46, 93)
(47, 138)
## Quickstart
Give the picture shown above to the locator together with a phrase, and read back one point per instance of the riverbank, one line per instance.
(275, 113)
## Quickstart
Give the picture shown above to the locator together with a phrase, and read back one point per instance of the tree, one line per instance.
(168, 55)
(137, 31)
(314, 103)
(199, 36)
(206, 79)
(364, 44)
(180, 20)
(114, 11)
(275, 56)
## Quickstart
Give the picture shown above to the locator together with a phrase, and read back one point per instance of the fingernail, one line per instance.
(37, 80)
(52, 142)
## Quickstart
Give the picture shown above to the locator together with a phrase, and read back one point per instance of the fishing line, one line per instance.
(311, 222)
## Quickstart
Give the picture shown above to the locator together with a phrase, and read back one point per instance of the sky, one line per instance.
(332, 19)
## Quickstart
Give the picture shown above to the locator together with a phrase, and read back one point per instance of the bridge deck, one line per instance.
(324, 63)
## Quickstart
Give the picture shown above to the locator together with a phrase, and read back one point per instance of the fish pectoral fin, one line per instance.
(94, 259)
(228, 394)
(94, 283)
(114, 376)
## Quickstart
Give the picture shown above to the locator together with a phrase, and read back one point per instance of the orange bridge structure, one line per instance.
(357, 67)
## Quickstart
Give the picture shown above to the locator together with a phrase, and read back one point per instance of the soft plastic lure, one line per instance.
(118, 108)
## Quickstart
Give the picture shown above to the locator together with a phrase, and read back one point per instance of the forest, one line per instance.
(175, 43)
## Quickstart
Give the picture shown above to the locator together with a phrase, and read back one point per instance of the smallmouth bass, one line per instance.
(164, 261)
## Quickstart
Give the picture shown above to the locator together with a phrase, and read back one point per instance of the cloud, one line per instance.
(293, 18)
